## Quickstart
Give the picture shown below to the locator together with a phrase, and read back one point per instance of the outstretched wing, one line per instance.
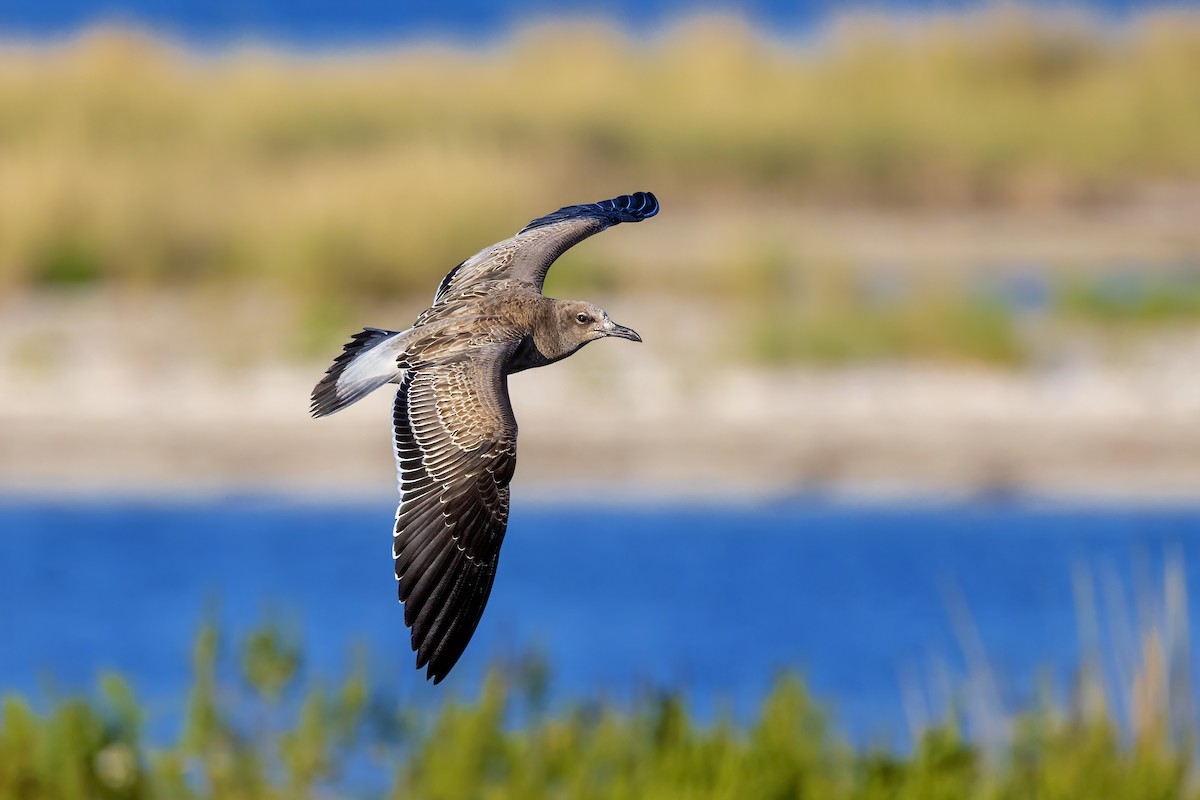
(456, 450)
(527, 256)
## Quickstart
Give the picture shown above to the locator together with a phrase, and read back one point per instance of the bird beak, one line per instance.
(610, 328)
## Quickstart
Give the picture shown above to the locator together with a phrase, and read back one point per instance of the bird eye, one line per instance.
(582, 318)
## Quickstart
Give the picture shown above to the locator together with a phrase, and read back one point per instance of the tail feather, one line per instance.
(368, 361)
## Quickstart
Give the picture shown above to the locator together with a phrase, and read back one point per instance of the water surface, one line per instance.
(715, 600)
(311, 23)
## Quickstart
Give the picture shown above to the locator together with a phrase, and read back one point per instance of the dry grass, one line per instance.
(344, 178)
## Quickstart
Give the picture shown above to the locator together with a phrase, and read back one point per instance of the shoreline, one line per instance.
(550, 497)
(591, 432)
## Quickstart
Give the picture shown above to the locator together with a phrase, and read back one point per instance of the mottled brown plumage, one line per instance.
(454, 432)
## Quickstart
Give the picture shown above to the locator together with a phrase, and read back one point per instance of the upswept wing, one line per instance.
(528, 255)
(455, 447)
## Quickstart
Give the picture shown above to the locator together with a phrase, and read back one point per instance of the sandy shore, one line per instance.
(632, 432)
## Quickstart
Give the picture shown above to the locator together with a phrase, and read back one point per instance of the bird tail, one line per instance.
(368, 361)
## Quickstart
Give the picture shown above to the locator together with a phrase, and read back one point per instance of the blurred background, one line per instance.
(901, 490)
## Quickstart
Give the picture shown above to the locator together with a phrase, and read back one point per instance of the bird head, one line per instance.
(582, 322)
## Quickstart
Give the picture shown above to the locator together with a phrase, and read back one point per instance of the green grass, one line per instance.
(254, 729)
(828, 314)
(958, 331)
(1132, 302)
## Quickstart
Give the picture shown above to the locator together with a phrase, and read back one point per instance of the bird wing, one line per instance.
(456, 450)
(527, 256)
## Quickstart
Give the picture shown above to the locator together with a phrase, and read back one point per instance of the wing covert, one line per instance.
(527, 256)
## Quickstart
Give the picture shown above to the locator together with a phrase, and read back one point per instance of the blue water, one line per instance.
(715, 600)
(324, 22)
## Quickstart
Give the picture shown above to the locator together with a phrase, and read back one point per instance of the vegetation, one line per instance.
(127, 159)
(333, 180)
(1130, 300)
(836, 316)
(258, 736)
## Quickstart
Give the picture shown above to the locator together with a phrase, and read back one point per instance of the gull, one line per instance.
(453, 430)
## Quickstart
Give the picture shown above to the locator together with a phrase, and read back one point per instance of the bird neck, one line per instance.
(547, 342)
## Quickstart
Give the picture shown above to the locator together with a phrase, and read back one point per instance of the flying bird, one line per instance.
(453, 430)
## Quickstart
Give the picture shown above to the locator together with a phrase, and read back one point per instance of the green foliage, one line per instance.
(270, 659)
(79, 749)
(68, 263)
(945, 329)
(504, 744)
(1132, 302)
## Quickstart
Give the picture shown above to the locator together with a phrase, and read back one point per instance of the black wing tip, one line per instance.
(632, 207)
(435, 670)
(440, 645)
(436, 654)
(626, 208)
